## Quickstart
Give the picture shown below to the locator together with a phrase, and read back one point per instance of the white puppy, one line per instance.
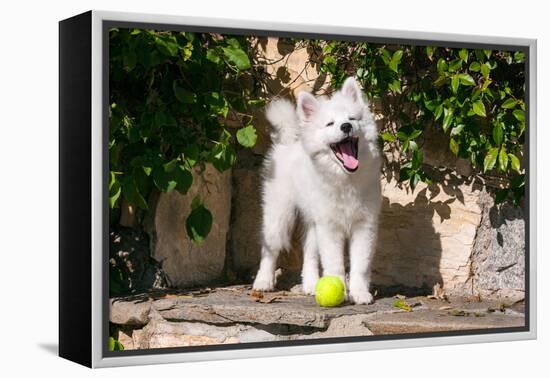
(324, 165)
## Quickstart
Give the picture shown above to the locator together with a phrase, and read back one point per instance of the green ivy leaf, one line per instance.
(191, 154)
(237, 56)
(503, 160)
(213, 56)
(498, 133)
(199, 222)
(167, 46)
(509, 103)
(247, 136)
(519, 115)
(455, 65)
(415, 134)
(164, 181)
(395, 60)
(475, 67)
(466, 79)
(485, 70)
(405, 171)
(223, 157)
(147, 170)
(514, 163)
(463, 54)
(184, 179)
(457, 130)
(417, 159)
(387, 137)
(187, 51)
(519, 57)
(132, 194)
(447, 119)
(479, 108)
(402, 135)
(490, 159)
(233, 43)
(430, 52)
(415, 179)
(453, 146)
(218, 104)
(115, 190)
(259, 102)
(395, 86)
(442, 66)
(431, 105)
(455, 82)
(171, 165)
(486, 84)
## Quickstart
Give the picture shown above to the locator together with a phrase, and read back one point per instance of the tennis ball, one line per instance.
(330, 291)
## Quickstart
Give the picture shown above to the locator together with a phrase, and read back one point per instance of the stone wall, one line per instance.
(426, 237)
(498, 255)
(449, 233)
(185, 263)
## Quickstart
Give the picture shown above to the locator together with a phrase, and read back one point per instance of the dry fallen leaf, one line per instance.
(457, 312)
(438, 293)
(202, 292)
(258, 296)
(270, 299)
(403, 305)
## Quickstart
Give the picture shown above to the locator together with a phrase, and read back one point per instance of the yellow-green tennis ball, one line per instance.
(330, 291)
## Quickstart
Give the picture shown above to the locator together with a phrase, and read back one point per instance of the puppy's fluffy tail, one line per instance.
(282, 115)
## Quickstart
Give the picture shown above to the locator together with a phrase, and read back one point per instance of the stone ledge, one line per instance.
(234, 305)
(232, 315)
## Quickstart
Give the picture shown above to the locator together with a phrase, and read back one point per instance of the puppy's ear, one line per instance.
(351, 90)
(307, 106)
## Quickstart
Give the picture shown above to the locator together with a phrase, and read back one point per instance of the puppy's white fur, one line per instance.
(303, 175)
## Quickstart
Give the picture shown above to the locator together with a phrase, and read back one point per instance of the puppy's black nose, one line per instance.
(346, 127)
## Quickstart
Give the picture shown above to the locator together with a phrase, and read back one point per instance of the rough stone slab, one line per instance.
(234, 305)
(133, 313)
(428, 321)
(225, 306)
(160, 333)
(231, 315)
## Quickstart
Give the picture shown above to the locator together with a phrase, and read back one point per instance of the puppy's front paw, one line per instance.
(308, 286)
(264, 283)
(361, 297)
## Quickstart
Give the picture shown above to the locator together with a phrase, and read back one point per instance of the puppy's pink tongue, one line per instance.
(348, 156)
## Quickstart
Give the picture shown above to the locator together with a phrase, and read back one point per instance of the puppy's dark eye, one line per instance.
(331, 123)
(354, 118)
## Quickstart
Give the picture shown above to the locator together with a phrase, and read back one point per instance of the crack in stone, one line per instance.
(503, 268)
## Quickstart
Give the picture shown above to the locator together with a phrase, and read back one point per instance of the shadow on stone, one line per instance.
(407, 260)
